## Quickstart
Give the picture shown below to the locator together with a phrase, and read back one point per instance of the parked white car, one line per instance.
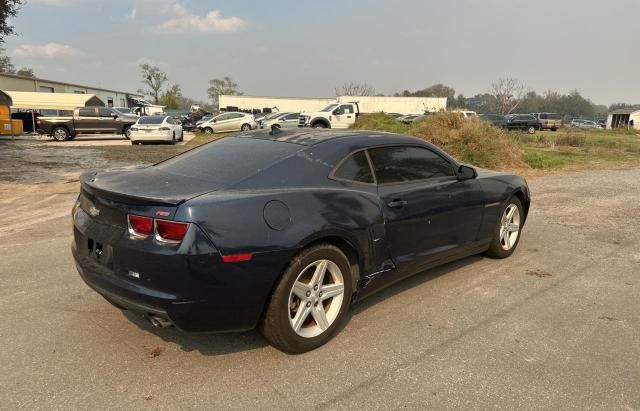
(165, 129)
(286, 121)
(230, 121)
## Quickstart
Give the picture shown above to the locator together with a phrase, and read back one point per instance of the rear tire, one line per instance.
(60, 134)
(508, 229)
(127, 133)
(245, 127)
(299, 317)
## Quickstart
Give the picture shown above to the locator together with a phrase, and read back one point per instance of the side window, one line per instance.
(87, 112)
(346, 109)
(223, 117)
(103, 112)
(293, 116)
(235, 115)
(407, 163)
(355, 168)
(543, 117)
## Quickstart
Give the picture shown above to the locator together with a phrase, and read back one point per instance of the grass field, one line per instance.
(478, 143)
(580, 149)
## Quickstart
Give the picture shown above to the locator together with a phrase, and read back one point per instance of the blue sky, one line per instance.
(304, 48)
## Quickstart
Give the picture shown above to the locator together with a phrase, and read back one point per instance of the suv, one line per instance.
(549, 121)
(335, 115)
(522, 122)
(86, 120)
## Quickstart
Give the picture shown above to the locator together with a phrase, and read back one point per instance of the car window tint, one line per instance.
(406, 163)
(87, 112)
(226, 160)
(104, 112)
(235, 115)
(355, 168)
(151, 120)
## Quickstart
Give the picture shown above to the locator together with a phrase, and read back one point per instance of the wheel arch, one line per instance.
(320, 120)
(524, 200)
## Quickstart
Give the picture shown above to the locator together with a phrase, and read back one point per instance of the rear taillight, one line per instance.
(140, 226)
(170, 231)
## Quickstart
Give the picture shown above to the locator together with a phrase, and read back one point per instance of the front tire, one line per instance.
(207, 130)
(311, 300)
(319, 125)
(60, 134)
(508, 230)
(532, 130)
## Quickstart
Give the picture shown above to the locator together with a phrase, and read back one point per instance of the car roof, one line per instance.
(313, 137)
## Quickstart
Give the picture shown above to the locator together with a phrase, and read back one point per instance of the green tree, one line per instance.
(25, 72)
(225, 86)
(436, 90)
(8, 9)
(6, 65)
(154, 79)
(171, 97)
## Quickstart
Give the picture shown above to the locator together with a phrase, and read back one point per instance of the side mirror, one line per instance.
(466, 173)
(215, 120)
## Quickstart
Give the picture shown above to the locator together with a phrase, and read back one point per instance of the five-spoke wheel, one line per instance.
(310, 301)
(508, 229)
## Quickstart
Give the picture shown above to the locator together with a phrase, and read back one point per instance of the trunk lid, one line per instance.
(110, 195)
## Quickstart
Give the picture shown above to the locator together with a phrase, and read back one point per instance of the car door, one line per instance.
(343, 116)
(289, 121)
(86, 120)
(107, 120)
(429, 213)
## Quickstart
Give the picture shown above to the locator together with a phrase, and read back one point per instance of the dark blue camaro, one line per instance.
(284, 230)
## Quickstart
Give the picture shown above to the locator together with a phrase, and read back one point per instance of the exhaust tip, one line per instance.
(159, 322)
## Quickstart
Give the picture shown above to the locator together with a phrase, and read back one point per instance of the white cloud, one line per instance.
(49, 50)
(213, 22)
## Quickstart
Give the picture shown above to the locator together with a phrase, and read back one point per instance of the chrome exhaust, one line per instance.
(159, 322)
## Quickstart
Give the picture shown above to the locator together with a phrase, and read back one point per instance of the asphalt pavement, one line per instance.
(556, 326)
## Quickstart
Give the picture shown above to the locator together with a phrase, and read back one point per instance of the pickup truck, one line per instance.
(86, 120)
(549, 121)
(335, 115)
(522, 122)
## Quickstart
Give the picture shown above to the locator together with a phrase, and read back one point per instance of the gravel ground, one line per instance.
(556, 326)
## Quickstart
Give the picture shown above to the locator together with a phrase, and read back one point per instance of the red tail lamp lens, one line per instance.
(171, 230)
(141, 225)
(236, 258)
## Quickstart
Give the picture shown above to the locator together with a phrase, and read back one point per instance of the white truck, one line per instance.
(335, 115)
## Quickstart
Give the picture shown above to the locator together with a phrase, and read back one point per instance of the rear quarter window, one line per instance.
(228, 160)
(355, 168)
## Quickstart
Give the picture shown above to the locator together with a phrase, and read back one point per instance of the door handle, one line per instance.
(397, 204)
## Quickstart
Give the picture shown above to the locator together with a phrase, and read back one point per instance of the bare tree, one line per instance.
(355, 89)
(508, 93)
(224, 86)
(154, 79)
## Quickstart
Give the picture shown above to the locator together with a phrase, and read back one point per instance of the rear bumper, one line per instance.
(164, 136)
(187, 284)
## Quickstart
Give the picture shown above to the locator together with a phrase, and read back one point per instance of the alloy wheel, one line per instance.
(316, 298)
(510, 227)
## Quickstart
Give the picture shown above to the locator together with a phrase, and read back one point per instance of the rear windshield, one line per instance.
(151, 120)
(228, 160)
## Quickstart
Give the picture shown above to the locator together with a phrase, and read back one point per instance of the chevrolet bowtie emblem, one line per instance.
(94, 211)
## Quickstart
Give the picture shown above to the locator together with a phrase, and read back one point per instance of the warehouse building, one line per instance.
(368, 104)
(111, 98)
